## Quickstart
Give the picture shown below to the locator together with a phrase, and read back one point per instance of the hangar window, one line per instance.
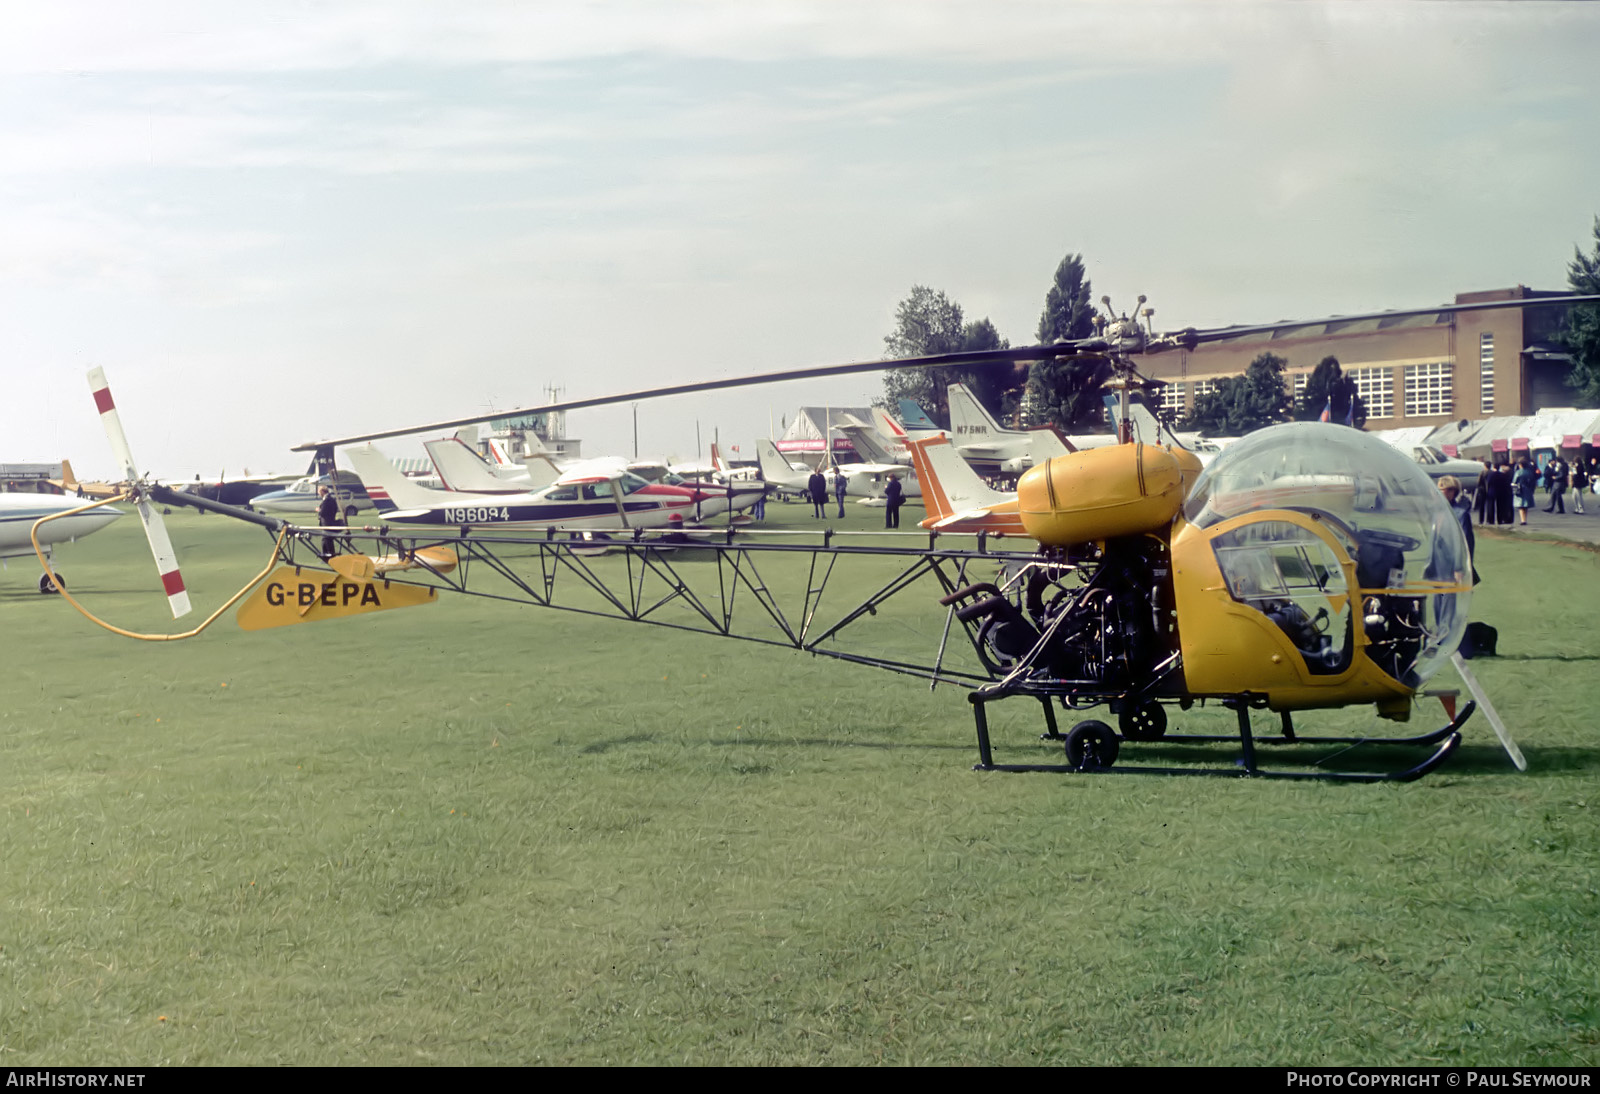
(1428, 389)
(1376, 388)
(1486, 372)
(1172, 398)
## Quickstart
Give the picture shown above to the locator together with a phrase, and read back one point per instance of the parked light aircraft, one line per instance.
(870, 478)
(462, 469)
(300, 497)
(1438, 465)
(863, 481)
(988, 446)
(590, 496)
(18, 512)
(69, 484)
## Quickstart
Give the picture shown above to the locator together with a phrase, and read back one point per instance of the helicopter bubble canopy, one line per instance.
(1412, 564)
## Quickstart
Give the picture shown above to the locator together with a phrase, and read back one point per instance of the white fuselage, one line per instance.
(301, 496)
(18, 512)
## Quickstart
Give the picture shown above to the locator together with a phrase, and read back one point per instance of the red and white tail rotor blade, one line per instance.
(154, 530)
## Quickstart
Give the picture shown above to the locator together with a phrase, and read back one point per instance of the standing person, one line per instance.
(893, 495)
(1450, 487)
(840, 485)
(1483, 496)
(817, 487)
(1580, 479)
(1523, 482)
(1502, 493)
(1556, 471)
(327, 517)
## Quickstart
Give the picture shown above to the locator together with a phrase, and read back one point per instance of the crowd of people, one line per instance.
(1505, 492)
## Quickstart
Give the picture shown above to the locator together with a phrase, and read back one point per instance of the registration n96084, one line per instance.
(477, 514)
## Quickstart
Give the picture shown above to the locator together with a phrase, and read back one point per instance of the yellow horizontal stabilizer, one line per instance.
(295, 595)
(441, 560)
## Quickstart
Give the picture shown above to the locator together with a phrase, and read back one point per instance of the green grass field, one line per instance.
(478, 833)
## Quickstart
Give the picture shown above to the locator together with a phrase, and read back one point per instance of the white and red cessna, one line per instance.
(598, 494)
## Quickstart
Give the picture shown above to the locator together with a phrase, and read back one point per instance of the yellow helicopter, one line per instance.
(1309, 566)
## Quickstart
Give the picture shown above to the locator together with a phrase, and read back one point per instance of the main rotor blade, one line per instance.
(155, 531)
(974, 357)
(1095, 345)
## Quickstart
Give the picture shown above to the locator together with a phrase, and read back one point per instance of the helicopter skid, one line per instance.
(1092, 747)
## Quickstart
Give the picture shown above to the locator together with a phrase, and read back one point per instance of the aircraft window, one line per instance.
(631, 483)
(1293, 578)
(562, 493)
(596, 491)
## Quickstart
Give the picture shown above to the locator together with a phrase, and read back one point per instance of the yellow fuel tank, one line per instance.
(1189, 467)
(1120, 490)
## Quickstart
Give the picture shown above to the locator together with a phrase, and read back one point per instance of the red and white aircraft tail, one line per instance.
(887, 426)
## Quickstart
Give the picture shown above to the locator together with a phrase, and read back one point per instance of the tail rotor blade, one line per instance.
(113, 425)
(154, 529)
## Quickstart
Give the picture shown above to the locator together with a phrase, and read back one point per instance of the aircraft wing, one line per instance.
(604, 469)
(541, 472)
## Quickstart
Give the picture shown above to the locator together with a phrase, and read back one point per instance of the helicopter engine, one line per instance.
(1099, 621)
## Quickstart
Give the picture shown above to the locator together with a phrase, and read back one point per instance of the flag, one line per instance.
(1327, 411)
(1350, 413)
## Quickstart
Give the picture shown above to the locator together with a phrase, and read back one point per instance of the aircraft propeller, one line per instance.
(138, 492)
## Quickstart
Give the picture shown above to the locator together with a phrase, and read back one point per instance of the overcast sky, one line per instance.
(274, 222)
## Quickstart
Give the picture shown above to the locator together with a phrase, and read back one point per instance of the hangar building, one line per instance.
(1419, 370)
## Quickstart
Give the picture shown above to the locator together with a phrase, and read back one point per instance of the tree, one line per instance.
(996, 386)
(1580, 331)
(1327, 388)
(928, 323)
(1239, 404)
(1067, 392)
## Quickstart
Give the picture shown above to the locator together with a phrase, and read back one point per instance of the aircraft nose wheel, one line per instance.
(1147, 723)
(47, 586)
(1091, 746)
